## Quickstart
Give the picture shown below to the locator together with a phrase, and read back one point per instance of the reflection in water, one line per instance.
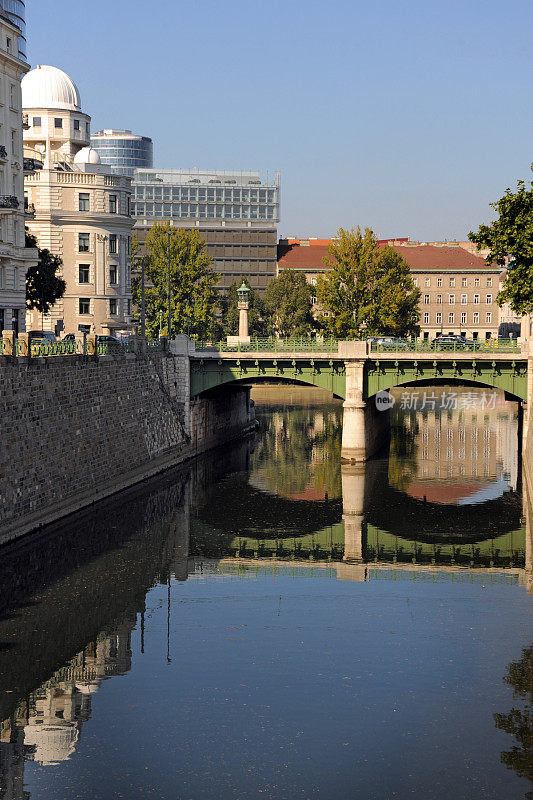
(79, 605)
(518, 722)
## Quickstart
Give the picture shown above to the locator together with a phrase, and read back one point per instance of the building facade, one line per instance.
(15, 10)
(15, 258)
(235, 212)
(123, 151)
(458, 289)
(80, 211)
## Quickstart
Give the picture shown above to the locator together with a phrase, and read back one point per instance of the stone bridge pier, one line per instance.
(365, 429)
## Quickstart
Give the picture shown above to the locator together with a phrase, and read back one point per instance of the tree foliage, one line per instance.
(288, 304)
(258, 324)
(194, 297)
(510, 237)
(519, 721)
(368, 290)
(43, 285)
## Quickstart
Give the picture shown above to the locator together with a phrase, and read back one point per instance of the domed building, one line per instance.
(80, 210)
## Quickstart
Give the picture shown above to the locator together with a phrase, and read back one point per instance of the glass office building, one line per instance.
(236, 213)
(16, 12)
(123, 151)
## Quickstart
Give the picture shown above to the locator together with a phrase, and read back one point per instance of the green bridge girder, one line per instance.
(325, 373)
(509, 374)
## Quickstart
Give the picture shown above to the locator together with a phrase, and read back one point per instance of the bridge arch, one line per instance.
(326, 374)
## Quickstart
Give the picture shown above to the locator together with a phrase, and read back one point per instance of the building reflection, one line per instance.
(47, 726)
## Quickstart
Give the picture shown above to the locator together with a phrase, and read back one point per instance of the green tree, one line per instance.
(43, 285)
(258, 324)
(194, 297)
(288, 304)
(510, 237)
(519, 721)
(368, 290)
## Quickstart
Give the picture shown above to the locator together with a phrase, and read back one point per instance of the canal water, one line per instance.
(269, 623)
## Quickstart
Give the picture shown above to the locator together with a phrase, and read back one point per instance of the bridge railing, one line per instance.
(421, 346)
(273, 345)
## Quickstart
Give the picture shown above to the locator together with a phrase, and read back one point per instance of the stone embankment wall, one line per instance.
(75, 431)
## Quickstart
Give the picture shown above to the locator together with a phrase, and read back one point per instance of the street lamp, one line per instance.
(243, 306)
(169, 286)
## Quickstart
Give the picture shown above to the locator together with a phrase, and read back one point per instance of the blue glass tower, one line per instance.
(123, 151)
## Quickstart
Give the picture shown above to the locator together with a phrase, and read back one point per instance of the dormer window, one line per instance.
(8, 44)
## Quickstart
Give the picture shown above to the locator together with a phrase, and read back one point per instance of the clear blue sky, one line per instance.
(409, 117)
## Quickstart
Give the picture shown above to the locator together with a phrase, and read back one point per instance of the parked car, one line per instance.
(452, 342)
(389, 342)
(42, 336)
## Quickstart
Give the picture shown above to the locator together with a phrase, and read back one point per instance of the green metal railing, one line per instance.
(273, 345)
(69, 347)
(106, 348)
(422, 346)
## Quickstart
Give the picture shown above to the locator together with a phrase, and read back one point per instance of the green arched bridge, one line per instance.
(355, 371)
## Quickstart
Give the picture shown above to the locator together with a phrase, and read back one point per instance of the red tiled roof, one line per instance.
(423, 257)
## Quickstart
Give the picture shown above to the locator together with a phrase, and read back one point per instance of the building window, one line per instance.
(476, 281)
(83, 201)
(476, 299)
(451, 317)
(464, 282)
(2, 272)
(451, 299)
(438, 318)
(426, 299)
(113, 307)
(489, 281)
(113, 243)
(463, 317)
(489, 299)
(476, 317)
(314, 300)
(36, 122)
(83, 273)
(113, 273)
(84, 305)
(87, 129)
(488, 316)
(439, 299)
(464, 300)
(13, 143)
(439, 281)
(112, 204)
(83, 242)
(12, 96)
(426, 318)
(58, 122)
(76, 124)
(128, 306)
(428, 282)
(8, 44)
(452, 281)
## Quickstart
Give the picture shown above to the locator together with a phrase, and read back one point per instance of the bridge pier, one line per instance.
(365, 429)
(353, 501)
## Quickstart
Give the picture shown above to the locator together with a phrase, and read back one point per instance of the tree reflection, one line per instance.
(403, 450)
(298, 453)
(519, 721)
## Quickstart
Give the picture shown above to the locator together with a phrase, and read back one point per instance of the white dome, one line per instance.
(49, 87)
(87, 156)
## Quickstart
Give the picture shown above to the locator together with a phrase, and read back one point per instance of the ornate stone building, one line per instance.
(15, 258)
(80, 210)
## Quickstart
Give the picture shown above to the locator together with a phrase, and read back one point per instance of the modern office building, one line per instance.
(15, 257)
(458, 289)
(16, 12)
(123, 151)
(79, 210)
(236, 212)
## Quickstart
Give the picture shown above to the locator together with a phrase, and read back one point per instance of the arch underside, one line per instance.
(510, 377)
(329, 375)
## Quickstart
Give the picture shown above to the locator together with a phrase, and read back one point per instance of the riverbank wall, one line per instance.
(74, 430)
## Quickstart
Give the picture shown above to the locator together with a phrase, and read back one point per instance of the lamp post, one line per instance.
(169, 286)
(243, 293)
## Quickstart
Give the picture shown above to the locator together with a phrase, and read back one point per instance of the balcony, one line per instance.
(29, 210)
(3, 153)
(25, 122)
(8, 202)
(31, 165)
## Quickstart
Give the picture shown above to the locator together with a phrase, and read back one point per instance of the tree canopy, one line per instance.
(288, 304)
(258, 324)
(43, 285)
(510, 239)
(194, 297)
(368, 290)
